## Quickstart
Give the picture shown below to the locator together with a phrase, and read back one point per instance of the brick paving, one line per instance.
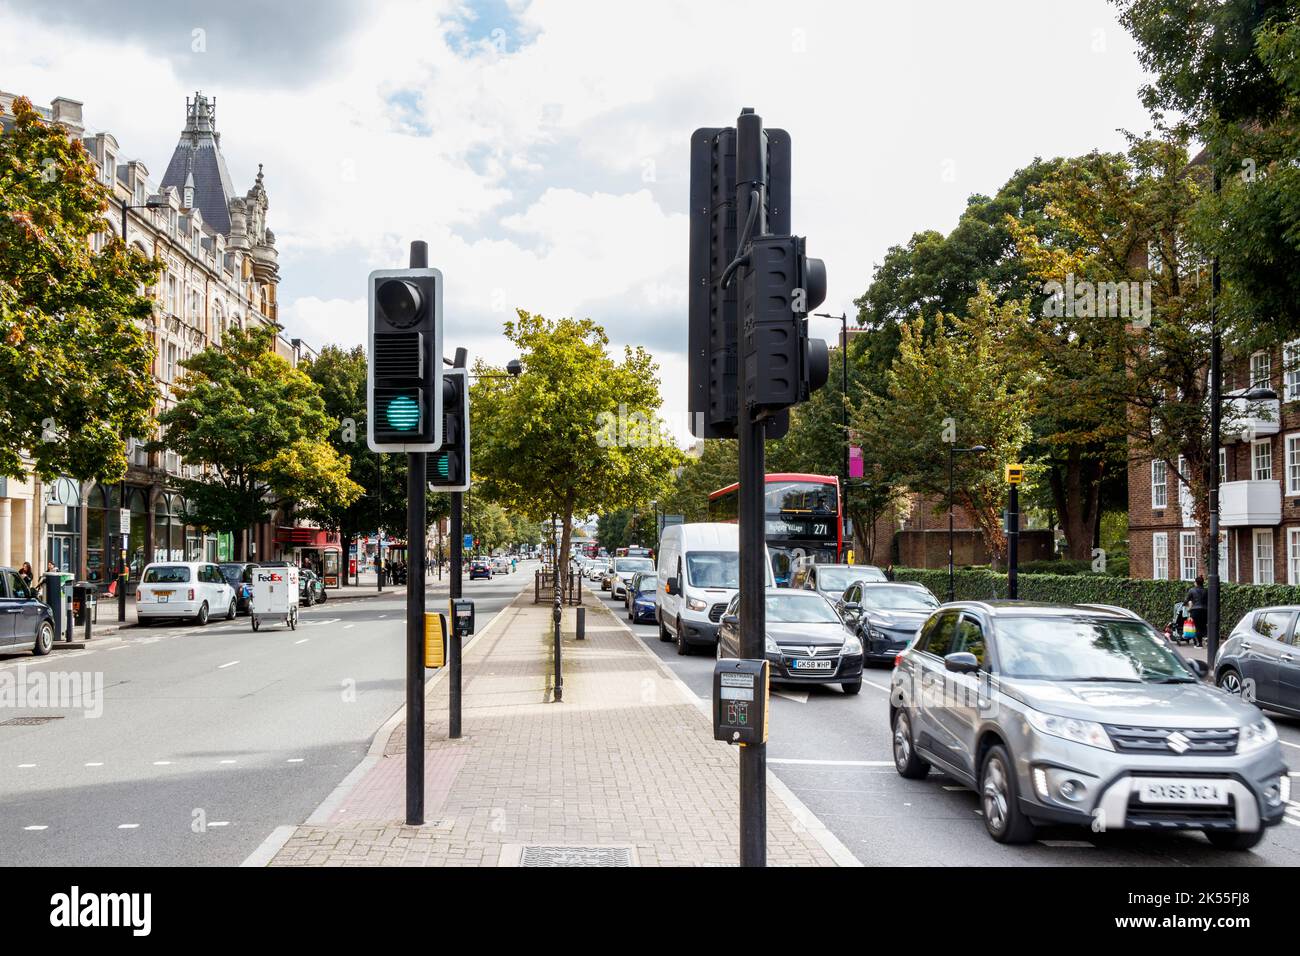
(626, 760)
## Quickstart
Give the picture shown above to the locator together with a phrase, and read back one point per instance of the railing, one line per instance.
(544, 586)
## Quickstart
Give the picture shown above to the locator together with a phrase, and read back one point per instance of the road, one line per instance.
(209, 737)
(834, 752)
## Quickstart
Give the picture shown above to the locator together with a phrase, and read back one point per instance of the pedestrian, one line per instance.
(1198, 601)
(25, 572)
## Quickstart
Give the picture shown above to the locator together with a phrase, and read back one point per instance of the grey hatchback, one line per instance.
(1260, 660)
(1082, 715)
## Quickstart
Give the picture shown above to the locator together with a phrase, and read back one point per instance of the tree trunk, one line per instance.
(1076, 490)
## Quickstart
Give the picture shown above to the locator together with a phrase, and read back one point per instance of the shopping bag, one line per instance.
(1189, 630)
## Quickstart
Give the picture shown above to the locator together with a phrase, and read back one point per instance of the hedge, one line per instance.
(1153, 600)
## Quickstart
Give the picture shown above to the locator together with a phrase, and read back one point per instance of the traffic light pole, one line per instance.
(751, 180)
(416, 480)
(453, 652)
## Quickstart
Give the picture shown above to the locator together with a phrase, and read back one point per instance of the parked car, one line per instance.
(479, 568)
(1081, 715)
(27, 623)
(806, 640)
(885, 617)
(189, 589)
(832, 579)
(239, 575)
(1260, 660)
(311, 588)
(641, 597)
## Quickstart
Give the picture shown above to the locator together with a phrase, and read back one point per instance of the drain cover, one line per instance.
(29, 721)
(576, 856)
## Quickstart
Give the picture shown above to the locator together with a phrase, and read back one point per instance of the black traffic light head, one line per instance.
(448, 467)
(403, 387)
(781, 365)
(713, 341)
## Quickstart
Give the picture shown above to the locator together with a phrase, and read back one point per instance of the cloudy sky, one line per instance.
(541, 146)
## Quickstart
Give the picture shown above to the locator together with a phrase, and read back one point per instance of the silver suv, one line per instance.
(1082, 715)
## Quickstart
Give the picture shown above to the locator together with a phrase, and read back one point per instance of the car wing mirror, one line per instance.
(961, 662)
(731, 620)
(670, 586)
(1199, 667)
(852, 607)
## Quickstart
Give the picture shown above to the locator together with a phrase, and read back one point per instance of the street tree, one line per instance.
(577, 433)
(76, 363)
(259, 429)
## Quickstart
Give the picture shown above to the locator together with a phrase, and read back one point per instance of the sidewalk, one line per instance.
(624, 771)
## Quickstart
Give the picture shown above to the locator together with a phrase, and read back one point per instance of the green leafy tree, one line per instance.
(714, 465)
(76, 366)
(260, 427)
(577, 432)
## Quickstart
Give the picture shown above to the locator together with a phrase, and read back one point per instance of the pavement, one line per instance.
(623, 771)
(173, 744)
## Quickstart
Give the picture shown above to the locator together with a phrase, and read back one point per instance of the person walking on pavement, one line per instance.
(1197, 602)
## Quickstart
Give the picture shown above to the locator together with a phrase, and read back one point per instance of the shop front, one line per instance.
(313, 548)
(113, 528)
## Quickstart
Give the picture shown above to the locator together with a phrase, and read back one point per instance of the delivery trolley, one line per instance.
(275, 594)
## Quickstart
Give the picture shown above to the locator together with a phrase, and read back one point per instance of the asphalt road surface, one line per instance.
(209, 737)
(834, 752)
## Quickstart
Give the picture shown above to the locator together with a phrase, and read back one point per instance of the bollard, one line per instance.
(582, 624)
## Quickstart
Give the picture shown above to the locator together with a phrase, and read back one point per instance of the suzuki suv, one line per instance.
(1084, 715)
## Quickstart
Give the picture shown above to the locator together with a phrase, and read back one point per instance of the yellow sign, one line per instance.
(849, 558)
(1015, 474)
(435, 639)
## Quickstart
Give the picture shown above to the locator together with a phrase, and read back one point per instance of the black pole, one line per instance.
(751, 176)
(379, 533)
(557, 614)
(952, 587)
(1216, 390)
(453, 652)
(1013, 541)
(416, 477)
(844, 399)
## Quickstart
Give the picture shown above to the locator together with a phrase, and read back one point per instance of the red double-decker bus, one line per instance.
(804, 519)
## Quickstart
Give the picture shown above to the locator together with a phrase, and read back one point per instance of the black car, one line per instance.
(806, 641)
(26, 623)
(311, 589)
(239, 575)
(885, 617)
(478, 568)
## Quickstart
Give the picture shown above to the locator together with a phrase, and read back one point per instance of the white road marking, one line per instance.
(799, 697)
(162, 763)
(26, 766)
(347, 626)
(225, 761)
(303, 641)
(871, 683)
(831, 763)
(219, 823)
(1287, 743)
(128, 826)
(227, 664)
(95, 763)
(294, 760)
(36, 828)
(951, 788)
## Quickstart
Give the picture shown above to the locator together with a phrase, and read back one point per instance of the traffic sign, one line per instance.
(469, 542)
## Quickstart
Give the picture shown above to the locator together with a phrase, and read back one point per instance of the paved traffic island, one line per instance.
(623, 772)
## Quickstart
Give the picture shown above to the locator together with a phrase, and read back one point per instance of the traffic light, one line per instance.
(448, 467)
(714, 337)
(403, 384)
(779, 287)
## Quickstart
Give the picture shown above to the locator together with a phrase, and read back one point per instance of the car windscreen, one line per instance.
(1083, 648)
(166, 574)
(237, 573)
(796, 608)
(836, 579)
(713, 569)
(629, 565)
(899, 599)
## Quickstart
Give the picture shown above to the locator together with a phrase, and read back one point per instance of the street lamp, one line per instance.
(1252, 394)
(843, 319)
(952, 452)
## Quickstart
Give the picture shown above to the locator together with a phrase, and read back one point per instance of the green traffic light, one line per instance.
(442, 465)
(403, 413)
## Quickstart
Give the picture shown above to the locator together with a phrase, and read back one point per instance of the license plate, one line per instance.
(811, 665)
(1182, 791)
(162, 598)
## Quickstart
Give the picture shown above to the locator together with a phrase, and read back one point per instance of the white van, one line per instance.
(699, 571)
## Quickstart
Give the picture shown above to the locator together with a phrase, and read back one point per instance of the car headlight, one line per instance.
(770, 645)
(851, 646)
(1255, 736)
(695, 604)
(1087, 732)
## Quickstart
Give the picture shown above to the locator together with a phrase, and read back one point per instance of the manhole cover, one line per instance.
(576, 856)
(28, 721)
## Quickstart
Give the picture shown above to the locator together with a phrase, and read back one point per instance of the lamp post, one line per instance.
(1253, 394)
(952, 453)
(843, 319)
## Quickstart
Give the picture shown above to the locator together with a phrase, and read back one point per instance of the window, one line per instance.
(1291, 371)
(1293, 464)
(110, 167)
(1160, 556)
(169, 374)
(1184, 490)
(1223, 465)
(1159, 485)
(1263, 539)
(1261, 457)
(969, 638)
(1188, 552)
(1293, 555)
(941, 629)
(1224, 564)
(17, 586)
(1261, 369)
(1272, 624)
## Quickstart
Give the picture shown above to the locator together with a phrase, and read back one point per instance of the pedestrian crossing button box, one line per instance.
(462, 614)
(740, 701)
